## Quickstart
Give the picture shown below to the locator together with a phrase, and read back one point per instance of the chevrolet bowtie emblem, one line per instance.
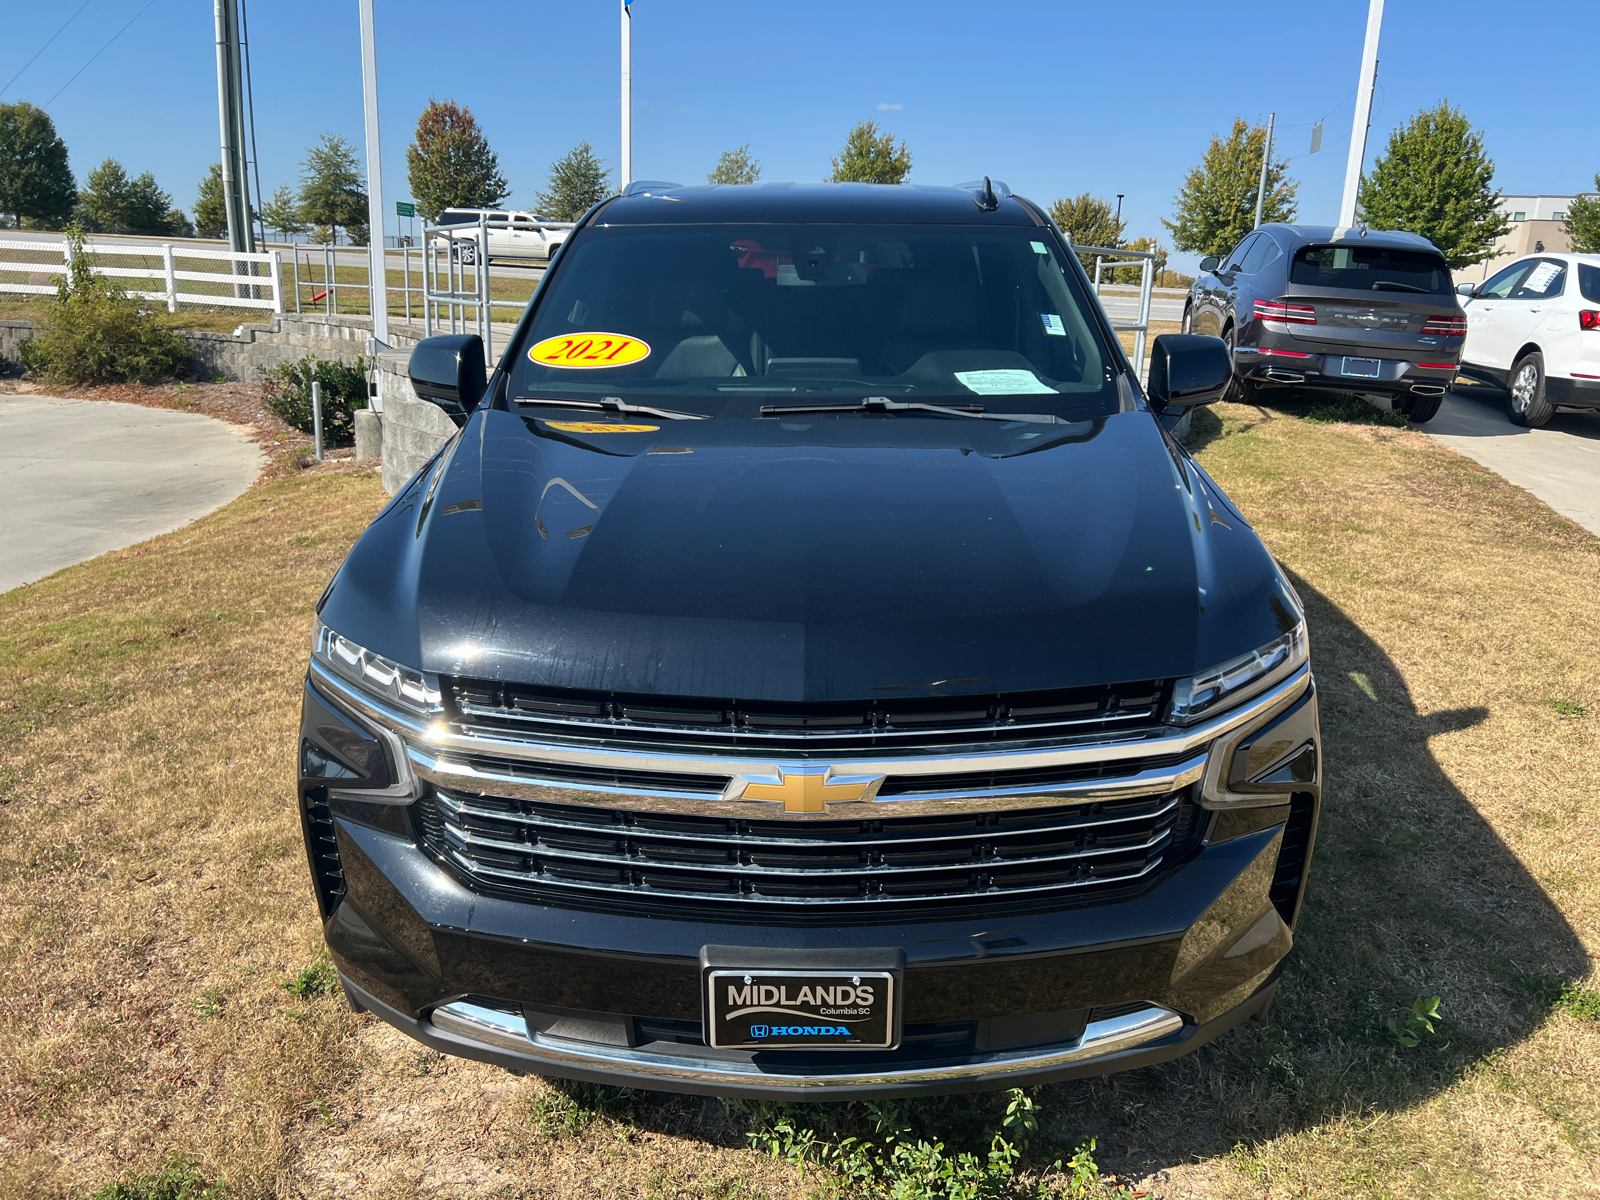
(803, 789)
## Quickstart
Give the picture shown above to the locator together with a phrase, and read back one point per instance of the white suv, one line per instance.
(1534, 329)
(511, 234)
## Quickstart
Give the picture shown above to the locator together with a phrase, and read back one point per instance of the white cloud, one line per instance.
(890, 107)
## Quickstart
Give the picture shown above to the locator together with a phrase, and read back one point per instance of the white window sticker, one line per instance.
(1539, 281)
(1040, 248)
(1004, 383)
(1053, 324)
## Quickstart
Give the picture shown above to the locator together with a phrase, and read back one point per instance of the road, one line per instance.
(1560, 463)
(1123, 306)
(81, 477)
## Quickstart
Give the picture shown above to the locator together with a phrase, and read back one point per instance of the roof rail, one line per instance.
(645, 187)
(977, 185)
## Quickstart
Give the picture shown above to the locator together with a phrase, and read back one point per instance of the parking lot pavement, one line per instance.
(81, 477)
(1560, 463)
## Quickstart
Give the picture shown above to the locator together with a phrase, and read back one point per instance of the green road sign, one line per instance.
(404, 209)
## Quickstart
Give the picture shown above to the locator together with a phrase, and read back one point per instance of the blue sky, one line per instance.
(1054, 99)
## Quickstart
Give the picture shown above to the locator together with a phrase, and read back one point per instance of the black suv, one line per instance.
(1352, 309)
(813, 670)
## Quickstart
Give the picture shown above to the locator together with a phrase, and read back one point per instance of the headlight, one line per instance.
(373, 673)
(1239, 678)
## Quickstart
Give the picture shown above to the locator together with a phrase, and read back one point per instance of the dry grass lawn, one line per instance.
(155, 899)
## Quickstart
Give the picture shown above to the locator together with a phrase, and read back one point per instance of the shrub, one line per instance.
(94, 332)
(344, 389)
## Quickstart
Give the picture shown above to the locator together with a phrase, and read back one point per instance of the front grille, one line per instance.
(554, 850)
(890, 722)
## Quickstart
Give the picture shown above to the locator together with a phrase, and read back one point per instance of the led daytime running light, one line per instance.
(383, 677)
(1238, 678)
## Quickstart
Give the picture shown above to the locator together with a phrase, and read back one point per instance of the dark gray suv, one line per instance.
(1349, 309)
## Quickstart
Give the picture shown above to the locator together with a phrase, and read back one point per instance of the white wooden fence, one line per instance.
(241, 280)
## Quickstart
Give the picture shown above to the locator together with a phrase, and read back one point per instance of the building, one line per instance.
(1537, 223)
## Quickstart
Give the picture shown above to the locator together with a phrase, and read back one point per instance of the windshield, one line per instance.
(1371, 268)
(722, 320)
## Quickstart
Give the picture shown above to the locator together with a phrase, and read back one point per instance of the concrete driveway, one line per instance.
(81, 477)
(1560, 463)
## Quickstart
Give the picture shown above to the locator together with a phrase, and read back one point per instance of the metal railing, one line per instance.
(456, 282)
(1147, 274)
(249, 280)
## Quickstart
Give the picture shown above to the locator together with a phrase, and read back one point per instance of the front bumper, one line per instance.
(995, 994)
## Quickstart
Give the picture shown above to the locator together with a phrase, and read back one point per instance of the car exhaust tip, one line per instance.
(1427, 389)
(1277, 376)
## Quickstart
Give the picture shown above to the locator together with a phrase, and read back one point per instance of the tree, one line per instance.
(331, 195)
(1217, 206)
(578, 181)
(210, 209)
(1583, 222)
(36, 184)
(113, 203)
(871, 157)
(282, 212)
(1134, 274)
(1435, 180)
(450, 164)
(736, 166)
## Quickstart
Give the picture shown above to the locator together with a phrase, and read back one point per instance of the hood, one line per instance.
(810, 560)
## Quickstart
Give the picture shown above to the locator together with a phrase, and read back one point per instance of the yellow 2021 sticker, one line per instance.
(599, 427)
(586, 351)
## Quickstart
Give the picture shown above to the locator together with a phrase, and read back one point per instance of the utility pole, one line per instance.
(1120, 195)
(1266, 157)
(230, 111)
(1363, 117)
(377, 266)
(627, 93)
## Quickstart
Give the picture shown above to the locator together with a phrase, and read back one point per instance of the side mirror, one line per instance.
(1188, 369)
(1210, 263)
(1466, 289)
(448, 370)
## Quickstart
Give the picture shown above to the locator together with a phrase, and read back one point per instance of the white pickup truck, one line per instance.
(511, 234)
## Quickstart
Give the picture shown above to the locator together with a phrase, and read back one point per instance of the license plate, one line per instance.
(839, 1009)
(1366, 368)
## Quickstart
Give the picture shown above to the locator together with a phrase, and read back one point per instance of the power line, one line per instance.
(43, 48)
(98, 53)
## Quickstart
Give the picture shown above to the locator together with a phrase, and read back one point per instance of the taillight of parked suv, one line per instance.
(1282, 310)
(1445, 326)
(1589, 319)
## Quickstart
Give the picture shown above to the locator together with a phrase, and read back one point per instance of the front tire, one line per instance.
(1188, 319)
(1526, 404)
(1238, 390)
(469, 254)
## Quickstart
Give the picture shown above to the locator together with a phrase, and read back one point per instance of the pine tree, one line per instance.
(331, 195)
(736, 166)
(1583, 222)
(871, 157)
(210, 208)
(1435, 180)
(1217, 206)
(578, 181)
(449, 162)
(113, 203)
(282, 212)
(36, 183)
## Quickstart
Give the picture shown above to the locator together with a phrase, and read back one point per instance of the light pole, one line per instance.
(1118, 243)
(377, 267)
(1266, 157)
(1363, 118)
(627, 93)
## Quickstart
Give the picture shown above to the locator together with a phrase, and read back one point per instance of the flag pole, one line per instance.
(627, 94)
(377, 266)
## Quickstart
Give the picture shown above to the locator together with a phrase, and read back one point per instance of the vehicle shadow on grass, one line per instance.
(1411, 894)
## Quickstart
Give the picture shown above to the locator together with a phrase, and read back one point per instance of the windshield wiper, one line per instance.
(1400, 287)
(616, 404)
(886, 405)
